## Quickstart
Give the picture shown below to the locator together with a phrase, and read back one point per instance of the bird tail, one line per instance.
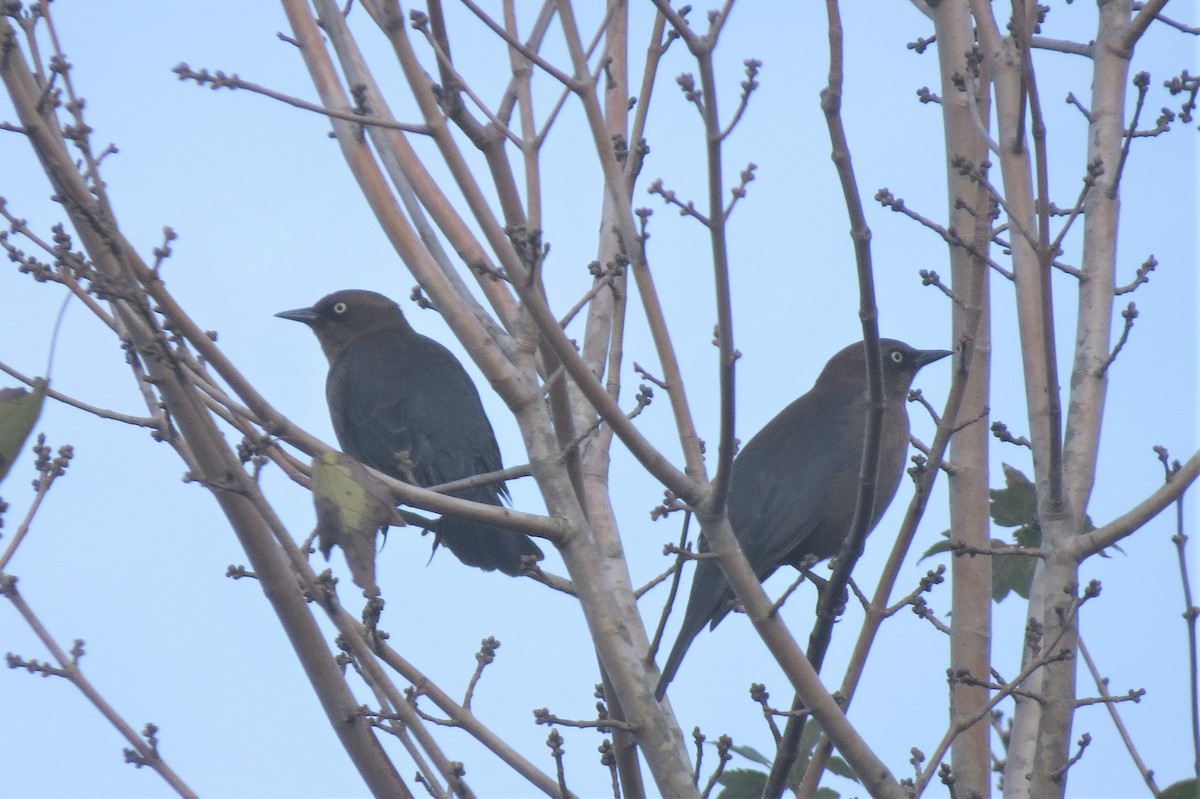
(708, 603)
(482, 545)
(691, 628)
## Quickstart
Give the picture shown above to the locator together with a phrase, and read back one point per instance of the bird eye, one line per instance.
(340, 308)
(897, 356)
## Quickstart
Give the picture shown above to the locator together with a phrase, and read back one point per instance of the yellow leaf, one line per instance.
(19, 411)
(352, 506)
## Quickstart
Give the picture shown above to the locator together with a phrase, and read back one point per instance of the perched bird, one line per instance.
(793, 486)
(403, 404)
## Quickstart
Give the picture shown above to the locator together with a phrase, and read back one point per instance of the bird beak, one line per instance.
(305, 315)
(923, 357)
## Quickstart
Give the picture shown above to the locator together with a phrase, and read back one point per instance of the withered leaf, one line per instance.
(352, 505)
(19, 411)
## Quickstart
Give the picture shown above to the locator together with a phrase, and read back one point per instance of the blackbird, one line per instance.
(793, 487)
(402, 403)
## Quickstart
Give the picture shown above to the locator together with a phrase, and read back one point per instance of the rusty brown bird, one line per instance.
(793, 487)
(402, 403)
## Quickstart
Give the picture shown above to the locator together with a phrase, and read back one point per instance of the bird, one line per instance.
(793, 487)
(401, 403)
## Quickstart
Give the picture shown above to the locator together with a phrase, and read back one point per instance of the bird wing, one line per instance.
(404, 405)
(779, 495)
(779, 499)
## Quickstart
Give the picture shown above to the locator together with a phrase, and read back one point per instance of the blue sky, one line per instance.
(125, 556)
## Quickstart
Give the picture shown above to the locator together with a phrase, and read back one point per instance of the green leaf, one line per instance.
(742, 783)
(808, 742)
(352, 505)
(752, 781)
(1029, 535)
(809, 737)
(1016, 504)
(19, 411)
(842, 768)
(1011, 573)
(750, 753)
(938, 547)
(1184, 789)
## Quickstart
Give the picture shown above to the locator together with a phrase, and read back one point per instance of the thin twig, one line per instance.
(1095, 169)
(653, 583)
(537, 33)
(1177, 25)
(724, 745)
(1062, 46)
(520, 47)
(543, 716)
(1001, 694)
(103, 413)
(1073, 100)
(677, 569)
(885, 198)
(852, 546)
(932, 278)
(1129, 314)
(483, 658)
(462, 85)
(597, 287)
(748, 86)
(1191, 612)
(219, 80)
(1142, 82)
(144, 750)
(1138, 25)
(685, 208)
(45, 480)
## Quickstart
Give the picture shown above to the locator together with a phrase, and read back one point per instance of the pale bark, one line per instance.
(971, 578)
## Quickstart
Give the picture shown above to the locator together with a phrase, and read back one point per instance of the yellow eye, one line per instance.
(340, 308)
(897, 356)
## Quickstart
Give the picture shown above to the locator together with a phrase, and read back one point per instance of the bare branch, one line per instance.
(1095, 169)
(885, 198)
(1000, 431)
(921, 44)
(931, 278)
(520, 47)
(739, 191)
(543, 716)
(685, 209)
(1052, 654)
(748, 87)
(1073, 100)
(1137, 27)
(483, 658)
(1142, 82)
(1107, 535)
(219, 80)
(1061, 46)
(1179, 26)
(1186, 84)
(1129, 314)
(144, 750)
(48, 471)
(459, 83)
(103, 413)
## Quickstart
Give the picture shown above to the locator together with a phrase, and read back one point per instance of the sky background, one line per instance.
(126, 557)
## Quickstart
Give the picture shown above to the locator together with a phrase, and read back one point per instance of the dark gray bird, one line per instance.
(403, 404)
(793, 486)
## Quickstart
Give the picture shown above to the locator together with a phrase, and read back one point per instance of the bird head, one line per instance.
(344, 316)
(900, 364)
